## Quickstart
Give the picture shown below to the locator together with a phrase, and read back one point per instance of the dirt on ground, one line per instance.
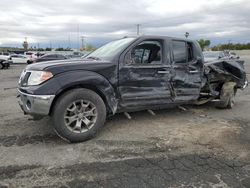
(194, 146)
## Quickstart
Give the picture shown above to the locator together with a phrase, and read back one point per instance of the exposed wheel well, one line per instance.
(86, 86)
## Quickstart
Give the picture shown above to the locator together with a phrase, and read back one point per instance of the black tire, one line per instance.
(29, 62)
(1, 65)
(227, 96)
(7, 65)
(231, 101)
(61, 107)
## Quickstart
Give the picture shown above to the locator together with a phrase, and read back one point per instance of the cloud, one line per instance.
(58, 21)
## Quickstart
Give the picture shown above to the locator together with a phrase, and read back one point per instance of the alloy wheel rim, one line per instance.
(80, 116)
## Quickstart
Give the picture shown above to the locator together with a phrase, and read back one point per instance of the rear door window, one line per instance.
(179, 51)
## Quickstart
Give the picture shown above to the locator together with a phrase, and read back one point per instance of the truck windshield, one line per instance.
(108, 51)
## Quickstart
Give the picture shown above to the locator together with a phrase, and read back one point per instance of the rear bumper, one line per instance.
(35, 104)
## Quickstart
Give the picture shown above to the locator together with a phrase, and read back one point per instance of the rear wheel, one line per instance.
(227, 95)
(231, 100)
(78, 115)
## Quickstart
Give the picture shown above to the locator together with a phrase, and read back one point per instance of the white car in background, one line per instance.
(17, 58)
(5, 56)
(5, 60)
(31, 56)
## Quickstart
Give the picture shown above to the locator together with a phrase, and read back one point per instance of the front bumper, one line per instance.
(35, 104)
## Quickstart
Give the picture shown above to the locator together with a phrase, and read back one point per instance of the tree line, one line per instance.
(232, 46)
(204, 43)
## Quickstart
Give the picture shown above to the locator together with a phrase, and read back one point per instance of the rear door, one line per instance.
(144, 75)
(188, 70)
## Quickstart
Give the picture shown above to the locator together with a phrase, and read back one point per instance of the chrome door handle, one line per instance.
(194, 71)
(163, 72)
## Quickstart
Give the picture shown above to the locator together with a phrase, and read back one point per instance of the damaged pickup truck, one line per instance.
(130, 74)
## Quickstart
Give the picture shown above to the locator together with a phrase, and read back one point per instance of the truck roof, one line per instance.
(160, 37)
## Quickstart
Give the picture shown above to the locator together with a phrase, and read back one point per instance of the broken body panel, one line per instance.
(218, 73)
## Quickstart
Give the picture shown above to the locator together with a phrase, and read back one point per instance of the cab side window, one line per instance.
(190, 51)
(182, 52)
(179, 51)
(145, 53)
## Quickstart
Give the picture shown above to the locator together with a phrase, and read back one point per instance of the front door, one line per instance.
(144, 76)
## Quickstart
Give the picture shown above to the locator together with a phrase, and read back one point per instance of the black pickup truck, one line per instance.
(130, 74)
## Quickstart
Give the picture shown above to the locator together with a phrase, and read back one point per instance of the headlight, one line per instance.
(38, 77)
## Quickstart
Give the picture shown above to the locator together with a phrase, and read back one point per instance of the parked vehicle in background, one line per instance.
(130, 74)
(75, 55)
(5, 60)
(31, 56)
(210, 56)
(18, 58)
(5, 55)
(50, 57)
(233, 55)
(39, 54)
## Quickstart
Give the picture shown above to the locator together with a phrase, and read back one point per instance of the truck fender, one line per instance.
(89, 80)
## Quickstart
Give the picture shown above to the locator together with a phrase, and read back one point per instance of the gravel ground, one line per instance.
(198, 147)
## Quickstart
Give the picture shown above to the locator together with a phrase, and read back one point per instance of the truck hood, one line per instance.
(209, 59)
(61, 66)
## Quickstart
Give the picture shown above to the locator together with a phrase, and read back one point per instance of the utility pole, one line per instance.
(83, 45)
(69, 42)
(78, 46)
(138, 28)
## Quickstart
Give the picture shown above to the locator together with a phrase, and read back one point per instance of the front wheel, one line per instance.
(78, 115)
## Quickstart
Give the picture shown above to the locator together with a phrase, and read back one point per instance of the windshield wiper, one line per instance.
(92, 57)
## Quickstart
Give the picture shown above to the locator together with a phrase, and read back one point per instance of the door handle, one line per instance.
(163, 72)
(193, 71)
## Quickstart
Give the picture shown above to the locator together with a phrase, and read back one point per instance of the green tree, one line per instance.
(232, 46)
(90, 47)
(204, 43)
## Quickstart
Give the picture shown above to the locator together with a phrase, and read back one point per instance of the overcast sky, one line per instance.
(57, 21)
